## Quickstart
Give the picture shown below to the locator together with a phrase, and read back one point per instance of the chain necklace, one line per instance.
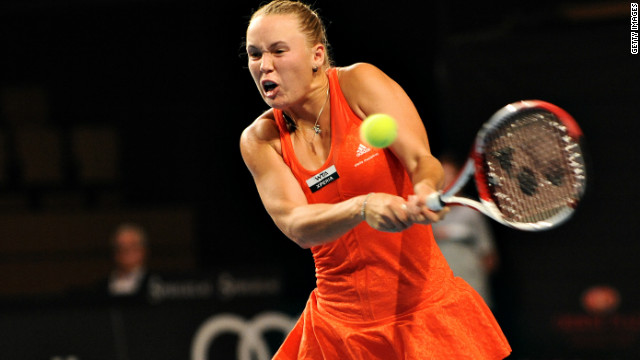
(316, 127)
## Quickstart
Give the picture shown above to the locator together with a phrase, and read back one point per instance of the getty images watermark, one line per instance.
(634, 28)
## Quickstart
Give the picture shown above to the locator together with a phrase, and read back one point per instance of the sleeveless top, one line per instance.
(366, 277)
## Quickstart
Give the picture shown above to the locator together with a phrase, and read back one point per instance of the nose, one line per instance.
(266, 63)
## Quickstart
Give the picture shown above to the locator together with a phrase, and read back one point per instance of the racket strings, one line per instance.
(535, 169)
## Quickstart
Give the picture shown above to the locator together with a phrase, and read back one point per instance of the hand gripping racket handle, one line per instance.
(434, 202)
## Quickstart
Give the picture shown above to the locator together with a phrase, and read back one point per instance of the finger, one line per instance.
(435, 216)
(415, 201)
(403, 216)
(443, 213)
(414, 212)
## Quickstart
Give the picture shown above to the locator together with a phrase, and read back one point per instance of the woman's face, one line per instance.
(280, 59)
(130, 252)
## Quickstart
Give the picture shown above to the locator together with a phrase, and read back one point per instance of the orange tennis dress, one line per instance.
(380, 295)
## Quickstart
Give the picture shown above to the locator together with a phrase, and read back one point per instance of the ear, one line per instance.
(318, 52)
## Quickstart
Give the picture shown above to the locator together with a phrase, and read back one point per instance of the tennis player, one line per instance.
(384, 290)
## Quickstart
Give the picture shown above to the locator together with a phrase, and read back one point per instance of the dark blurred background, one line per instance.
(131, 110)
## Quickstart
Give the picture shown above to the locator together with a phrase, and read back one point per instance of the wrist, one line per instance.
(425, 187)
(363, 208)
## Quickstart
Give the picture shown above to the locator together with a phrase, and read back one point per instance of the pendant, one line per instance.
(317, 129)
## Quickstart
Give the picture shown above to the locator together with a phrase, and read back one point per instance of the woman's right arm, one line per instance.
(306, 224)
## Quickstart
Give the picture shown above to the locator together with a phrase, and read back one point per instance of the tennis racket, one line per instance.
(528, 166)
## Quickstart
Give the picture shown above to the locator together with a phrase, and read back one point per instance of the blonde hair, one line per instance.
(310, 23)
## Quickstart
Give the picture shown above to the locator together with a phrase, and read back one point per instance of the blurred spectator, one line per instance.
(130, 248)
(127, 282)
(466, 240)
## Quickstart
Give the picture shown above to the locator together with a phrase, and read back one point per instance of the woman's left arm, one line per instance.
(369, 91)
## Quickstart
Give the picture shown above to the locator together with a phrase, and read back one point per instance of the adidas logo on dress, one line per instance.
(362, 150)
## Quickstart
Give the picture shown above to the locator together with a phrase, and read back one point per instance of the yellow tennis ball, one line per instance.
(379, 130)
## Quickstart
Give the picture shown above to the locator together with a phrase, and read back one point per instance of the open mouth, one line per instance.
(269, 86)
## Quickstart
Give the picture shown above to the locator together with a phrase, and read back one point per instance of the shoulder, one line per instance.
(263, 127)
(262, 133)
(359, 74)
(363, 84)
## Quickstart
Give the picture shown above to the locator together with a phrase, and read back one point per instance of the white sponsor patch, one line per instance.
(321, 179)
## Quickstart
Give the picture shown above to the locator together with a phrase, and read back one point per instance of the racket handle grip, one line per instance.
(434, 202)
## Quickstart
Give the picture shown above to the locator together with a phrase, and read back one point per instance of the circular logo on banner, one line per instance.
(600, 299)
(251, 343)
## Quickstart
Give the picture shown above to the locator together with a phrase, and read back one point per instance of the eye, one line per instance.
(280, 51)
(254, 54)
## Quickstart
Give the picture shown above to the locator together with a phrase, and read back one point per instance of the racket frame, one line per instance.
(474, 166)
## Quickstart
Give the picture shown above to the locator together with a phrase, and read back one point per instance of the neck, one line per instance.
(313, 107)
(128, 271)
